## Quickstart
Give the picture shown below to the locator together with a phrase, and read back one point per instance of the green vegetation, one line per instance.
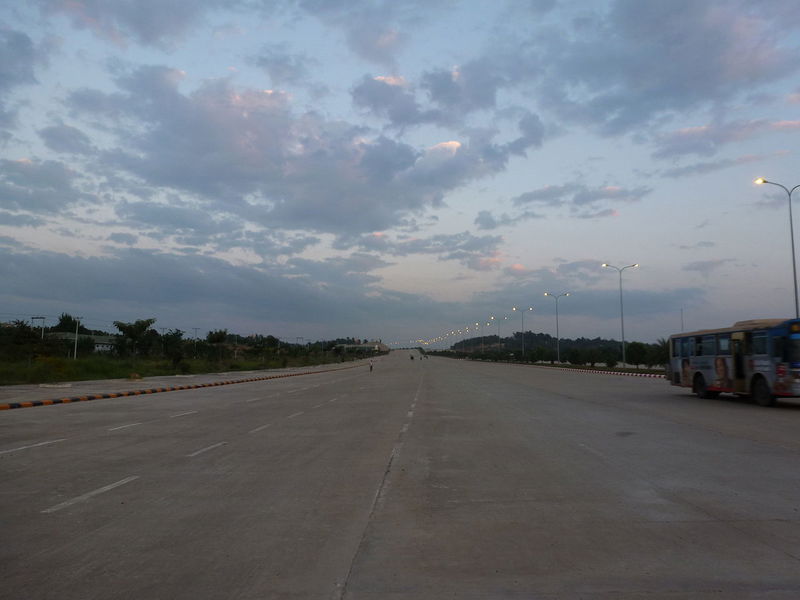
(30, 355)
(540, 348)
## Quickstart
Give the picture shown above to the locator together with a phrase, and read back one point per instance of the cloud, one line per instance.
(703, 168)
(475, 252)
(390, 98)
(610, 72)
(487, 221)
(66, 139)
(247, 153)
(18, 56)
(582, 201)
(285, 68)
(707, 140)
(39, 186)
(698, 245)
(706, 267)
(147, 22)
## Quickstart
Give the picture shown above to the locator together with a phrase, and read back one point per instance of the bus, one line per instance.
(760, 358)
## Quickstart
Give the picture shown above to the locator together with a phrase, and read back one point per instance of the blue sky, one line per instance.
(397, 169)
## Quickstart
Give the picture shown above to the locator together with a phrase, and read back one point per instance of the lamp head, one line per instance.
(760, 180)
(605, 264)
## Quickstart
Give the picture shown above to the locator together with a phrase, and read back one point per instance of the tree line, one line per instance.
(542, 347)
(140, 341)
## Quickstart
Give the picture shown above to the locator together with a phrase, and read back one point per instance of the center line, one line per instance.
(191, 412)
(257, 429)
(32, 446)
(295, 415)
(206, 449)
(124, 426)
(88, 495)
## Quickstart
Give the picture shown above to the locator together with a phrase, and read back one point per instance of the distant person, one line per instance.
(370, 365)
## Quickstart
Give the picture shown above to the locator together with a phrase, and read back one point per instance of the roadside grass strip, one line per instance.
(87, 398)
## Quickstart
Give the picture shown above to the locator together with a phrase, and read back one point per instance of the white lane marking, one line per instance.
(206, 449)
(88, 495)
(32, 446)
(297, 414)
(410, 414)
(124, 426)
(191, 412)
(257, 429)
(263, 397)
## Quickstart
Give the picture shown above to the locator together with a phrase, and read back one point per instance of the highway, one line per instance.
(429, 478)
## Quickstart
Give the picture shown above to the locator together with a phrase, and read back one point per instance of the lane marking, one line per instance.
(33, 446)
(297, 414)
(124, 426)
(206, 449)
(88, 495)
(191, 412)
(257, 429)
(263, 397)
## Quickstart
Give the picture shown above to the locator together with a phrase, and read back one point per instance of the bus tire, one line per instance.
(699, 388)
(761, 392)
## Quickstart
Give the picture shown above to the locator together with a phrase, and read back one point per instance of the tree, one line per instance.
(135, 332)
(636, 353)
(66, 323)
(217, 338)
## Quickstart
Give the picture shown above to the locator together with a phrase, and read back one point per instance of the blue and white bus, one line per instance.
(760, 358)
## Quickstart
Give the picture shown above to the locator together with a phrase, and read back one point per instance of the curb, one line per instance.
(652, 375)
(32, 403)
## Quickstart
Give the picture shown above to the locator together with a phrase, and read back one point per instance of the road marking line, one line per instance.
(32, 446)
(124, 426)
(318, 405)
(295, 415)
(88, 495)
(191, 412)
(257, 429)
(206, 449)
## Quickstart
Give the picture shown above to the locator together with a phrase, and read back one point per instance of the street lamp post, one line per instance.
(521, 312)
(621, 313)
(761, 181)
(558, 337)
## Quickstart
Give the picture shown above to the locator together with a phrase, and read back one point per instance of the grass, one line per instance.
(53, 369)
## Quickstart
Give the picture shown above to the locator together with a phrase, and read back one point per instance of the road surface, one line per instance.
(428, 478)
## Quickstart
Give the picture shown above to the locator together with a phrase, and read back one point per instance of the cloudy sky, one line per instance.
(397, 169)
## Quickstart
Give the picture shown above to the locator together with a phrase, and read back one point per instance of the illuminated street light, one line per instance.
(522, 312)
(761, 181)
(621, 314)
(558, 337)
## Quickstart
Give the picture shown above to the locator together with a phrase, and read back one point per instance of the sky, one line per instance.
(397, 169)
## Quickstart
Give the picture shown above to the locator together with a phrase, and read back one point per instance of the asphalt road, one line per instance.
(424, 479)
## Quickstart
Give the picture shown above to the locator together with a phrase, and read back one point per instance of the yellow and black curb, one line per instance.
(87, 398)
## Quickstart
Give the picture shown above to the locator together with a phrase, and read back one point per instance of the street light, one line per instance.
(558, 337)
(522, 312)
(621, 314)
(761, 181)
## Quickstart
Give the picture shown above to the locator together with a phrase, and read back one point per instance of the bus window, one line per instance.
(759, 342)
(676, 348)
(724, 344)
(779, 348)
(688, 347)
(707, 346)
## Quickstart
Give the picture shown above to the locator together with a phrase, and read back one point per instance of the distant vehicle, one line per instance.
(760, 358)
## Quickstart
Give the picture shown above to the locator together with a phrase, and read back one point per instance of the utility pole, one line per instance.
(77, 323)
(42, 318)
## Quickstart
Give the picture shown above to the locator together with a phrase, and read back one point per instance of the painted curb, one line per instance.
(652, 375)
(32, 403)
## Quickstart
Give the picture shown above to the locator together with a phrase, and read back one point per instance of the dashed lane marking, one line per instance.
(88, 495)
(206, 449)
(32, 446)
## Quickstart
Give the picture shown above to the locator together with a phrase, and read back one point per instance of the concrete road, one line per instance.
(424, 479)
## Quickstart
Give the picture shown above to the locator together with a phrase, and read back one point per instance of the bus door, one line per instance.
(738, 355)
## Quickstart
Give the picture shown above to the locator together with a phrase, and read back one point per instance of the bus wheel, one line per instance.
(761, 393)
(699, 388)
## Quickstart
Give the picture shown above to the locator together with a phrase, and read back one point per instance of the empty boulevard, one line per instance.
(429, 478)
